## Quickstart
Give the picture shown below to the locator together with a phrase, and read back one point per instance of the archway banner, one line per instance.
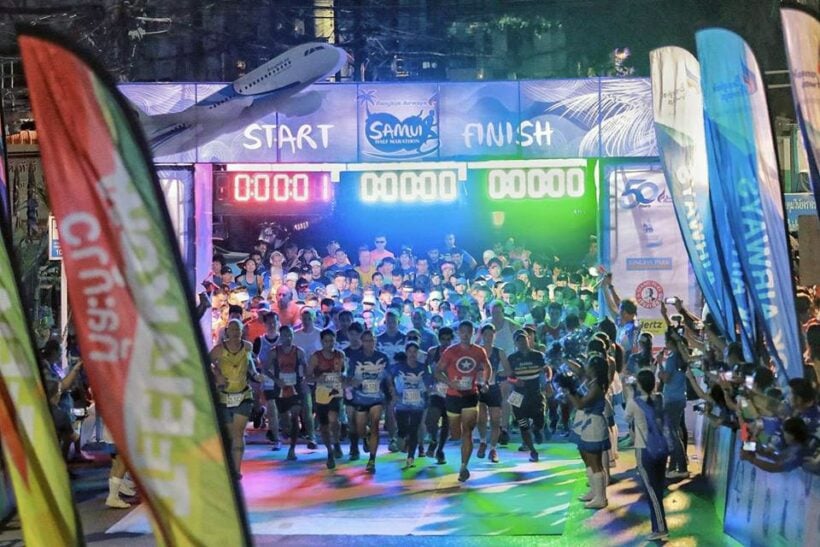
(144, 356)
(801, 32)
(742, 159)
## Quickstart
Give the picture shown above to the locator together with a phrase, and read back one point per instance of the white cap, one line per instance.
(435, 295)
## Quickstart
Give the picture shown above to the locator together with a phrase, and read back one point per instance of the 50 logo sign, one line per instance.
(639, 192)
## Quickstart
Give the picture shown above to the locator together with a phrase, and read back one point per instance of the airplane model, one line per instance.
(274, 86)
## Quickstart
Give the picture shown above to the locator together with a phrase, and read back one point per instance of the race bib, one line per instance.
(465, 383)
(288, 378)
(370, 387)
(267, 383)
(234, 399)
(441, 389)
(411, 396)
(515, 399)
(332, 380)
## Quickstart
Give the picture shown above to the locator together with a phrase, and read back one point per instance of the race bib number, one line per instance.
(411, 396)
(267, 383)
(288, 378)
(515, 399)
(332, 381)
(370, 387)
(465, 384)
(441, 389)
(233, 400)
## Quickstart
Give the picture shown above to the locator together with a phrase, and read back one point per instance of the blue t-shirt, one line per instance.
(391, 344)
(411, 386)
(674, 388)
(371, 371)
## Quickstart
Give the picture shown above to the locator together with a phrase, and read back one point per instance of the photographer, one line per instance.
(589, 430)
(673, 376)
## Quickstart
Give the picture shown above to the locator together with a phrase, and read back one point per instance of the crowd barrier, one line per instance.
(758, 508)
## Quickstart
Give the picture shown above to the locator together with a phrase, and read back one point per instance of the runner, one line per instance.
(352, 352)
(262, 347)
(368, 377)
(504, 329)
(436, 408)
(527, 399)
(465, 369)
(325, 369)
(232, 363)
(411, 381)
(490, 401)
(390, 342)
(286, 365)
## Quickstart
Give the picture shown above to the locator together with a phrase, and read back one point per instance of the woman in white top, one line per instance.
(650, 448)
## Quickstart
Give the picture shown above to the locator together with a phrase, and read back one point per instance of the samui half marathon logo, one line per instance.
(399, 127)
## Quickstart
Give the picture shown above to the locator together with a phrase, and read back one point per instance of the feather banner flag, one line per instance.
(131, 304)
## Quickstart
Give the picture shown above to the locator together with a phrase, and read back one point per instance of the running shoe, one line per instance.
(523, 448)
(311, 445)
(657, 536)
(482, 450)
(393, 446)
(463, 475)
(431, 450)
(494, 455)
(337, 451)
(421, 451)
(371, 466)
(276, 446)
(533, 456)
(409, 462)
(331, 462)
(291, 454)
(354, 455)
(440, 458)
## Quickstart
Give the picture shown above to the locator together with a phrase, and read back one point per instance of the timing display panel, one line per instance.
(272, 193)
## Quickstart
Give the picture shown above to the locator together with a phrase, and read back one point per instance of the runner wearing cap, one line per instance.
(465, 369)
(411, 379)
(262, 348)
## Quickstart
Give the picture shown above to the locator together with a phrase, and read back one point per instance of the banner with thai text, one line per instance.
(131, 302)
(741, 150)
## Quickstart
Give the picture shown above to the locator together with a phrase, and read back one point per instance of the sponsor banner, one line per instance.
(678, 115)
(797, 205)
(560, 118)
(773, 509)
(801, 32)
(644, 231)
(34, 461)
(626, 118)
(741, 149)
(398, 122)
(54, 251)
(481, 120)
(127, 290)
(581, 118)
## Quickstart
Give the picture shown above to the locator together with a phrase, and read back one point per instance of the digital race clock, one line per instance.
(272, 193)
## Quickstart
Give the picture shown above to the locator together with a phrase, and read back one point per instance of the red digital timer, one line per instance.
(272, 193)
